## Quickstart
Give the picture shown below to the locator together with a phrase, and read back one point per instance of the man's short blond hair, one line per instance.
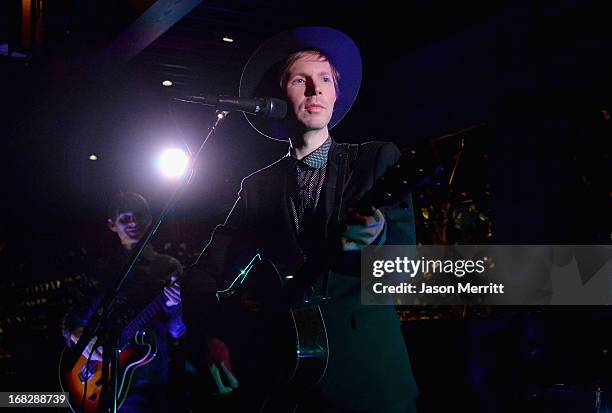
(317, 55)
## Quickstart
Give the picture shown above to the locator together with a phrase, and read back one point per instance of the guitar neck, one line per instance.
(141, 320)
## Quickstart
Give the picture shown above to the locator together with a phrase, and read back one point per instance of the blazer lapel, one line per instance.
(330, 190)
(333, 169)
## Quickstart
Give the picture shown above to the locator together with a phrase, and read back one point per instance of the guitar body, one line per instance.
(87, 377)
(312, 347)
(287, 342)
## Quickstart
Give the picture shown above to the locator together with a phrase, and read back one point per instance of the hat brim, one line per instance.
(260, 76)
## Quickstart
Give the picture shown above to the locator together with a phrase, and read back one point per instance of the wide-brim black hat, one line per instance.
(260, 77)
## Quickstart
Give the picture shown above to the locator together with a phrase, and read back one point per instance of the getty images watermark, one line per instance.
(487, 275)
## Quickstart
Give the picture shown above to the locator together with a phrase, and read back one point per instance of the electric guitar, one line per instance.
(84, 381)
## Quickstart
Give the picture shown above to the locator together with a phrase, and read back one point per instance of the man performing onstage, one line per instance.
(129, 217)
(291, 209)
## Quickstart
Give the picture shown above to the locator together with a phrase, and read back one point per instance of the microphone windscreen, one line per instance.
(278, 108)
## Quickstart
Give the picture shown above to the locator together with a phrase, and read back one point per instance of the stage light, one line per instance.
(173, 162)
(228, 39)
(93, 157)
(167, 83)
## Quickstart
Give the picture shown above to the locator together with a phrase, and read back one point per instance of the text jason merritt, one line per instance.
(406, 288)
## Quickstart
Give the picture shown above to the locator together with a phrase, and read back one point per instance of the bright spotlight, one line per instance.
(173, 162)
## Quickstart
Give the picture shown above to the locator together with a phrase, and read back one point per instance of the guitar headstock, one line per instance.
(412, 174)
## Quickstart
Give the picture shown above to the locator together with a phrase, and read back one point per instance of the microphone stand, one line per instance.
(103, 321)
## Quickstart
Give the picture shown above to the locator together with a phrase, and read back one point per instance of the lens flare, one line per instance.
(173, 163)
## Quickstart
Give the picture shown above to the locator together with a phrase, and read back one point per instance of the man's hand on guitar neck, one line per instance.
(173, 292)
(361, 230)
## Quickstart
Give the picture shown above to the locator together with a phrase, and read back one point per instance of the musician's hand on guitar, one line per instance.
(173, 293)
(361, 230)
(97, 354)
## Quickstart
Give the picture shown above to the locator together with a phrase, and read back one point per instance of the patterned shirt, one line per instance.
(310, 178)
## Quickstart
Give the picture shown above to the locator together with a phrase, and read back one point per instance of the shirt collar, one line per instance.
(317, 159)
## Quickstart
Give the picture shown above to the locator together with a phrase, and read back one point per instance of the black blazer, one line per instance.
(368, 364)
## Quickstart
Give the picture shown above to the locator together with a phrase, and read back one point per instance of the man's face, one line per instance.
(311, 92)
(130, 227)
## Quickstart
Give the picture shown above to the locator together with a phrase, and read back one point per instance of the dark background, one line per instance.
(526, 86)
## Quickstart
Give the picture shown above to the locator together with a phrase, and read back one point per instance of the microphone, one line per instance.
(266, 107)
